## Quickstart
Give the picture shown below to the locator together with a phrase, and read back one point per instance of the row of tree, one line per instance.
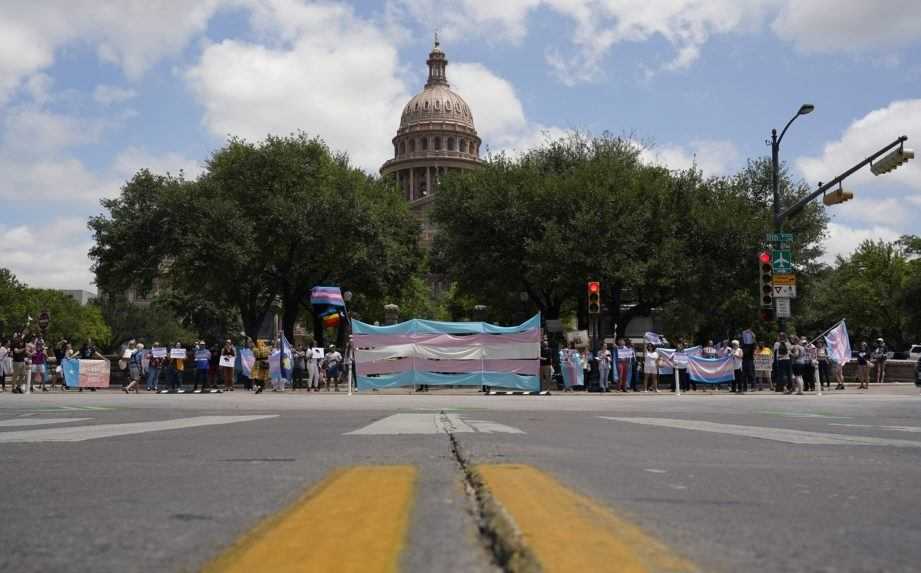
(70, 320)
(269, 220)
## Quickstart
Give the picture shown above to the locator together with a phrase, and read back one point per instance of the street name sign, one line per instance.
(780, 237)
(783, 307)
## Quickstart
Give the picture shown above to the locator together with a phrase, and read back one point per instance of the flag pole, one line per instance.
(827, 331)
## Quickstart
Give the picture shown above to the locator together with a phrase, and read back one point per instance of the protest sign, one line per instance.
(228, 361)
(177, 353)
(764, 362)
(317, 353)
(624, 353)
(158, 352)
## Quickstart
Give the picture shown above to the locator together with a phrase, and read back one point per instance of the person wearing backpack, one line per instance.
(798, 358)
(783, 371)
(135, 369)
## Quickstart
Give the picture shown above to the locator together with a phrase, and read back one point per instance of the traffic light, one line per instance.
(892, 160)
(835, 197)
(594, 297)
(766, 277)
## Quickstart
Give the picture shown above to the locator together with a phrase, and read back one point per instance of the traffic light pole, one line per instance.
(779, 217)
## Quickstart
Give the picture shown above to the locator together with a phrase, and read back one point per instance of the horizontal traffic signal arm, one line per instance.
(798, 206)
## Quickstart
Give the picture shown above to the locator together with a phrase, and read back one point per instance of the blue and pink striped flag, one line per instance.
(328, 295)
(710, 370)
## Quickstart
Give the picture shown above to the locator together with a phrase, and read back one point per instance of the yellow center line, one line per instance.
(354, 520)
(570, 532)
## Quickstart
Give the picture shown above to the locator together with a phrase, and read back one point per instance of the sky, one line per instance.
(91, 92)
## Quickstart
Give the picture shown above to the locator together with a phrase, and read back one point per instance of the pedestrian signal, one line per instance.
(766, 279)
(594, 297)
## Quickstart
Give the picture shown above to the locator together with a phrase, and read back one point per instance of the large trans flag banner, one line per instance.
(571, 365)
(86, 373)
(710, 370)
(838, 343)
(447, 354)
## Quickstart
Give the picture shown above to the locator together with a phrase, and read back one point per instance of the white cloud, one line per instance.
(46, 131)
(504, 20)
(843, 239)
(108, 95)
(49, 255)
(132, 34)
(712, 157)
(497, 110)
(881, 199)
(337, 76)
(854, 26)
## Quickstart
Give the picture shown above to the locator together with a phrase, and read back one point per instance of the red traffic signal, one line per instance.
(594, 297)
(765, 257)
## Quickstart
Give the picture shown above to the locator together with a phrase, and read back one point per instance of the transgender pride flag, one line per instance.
(328, 295)
(839, 345)
(710, 370)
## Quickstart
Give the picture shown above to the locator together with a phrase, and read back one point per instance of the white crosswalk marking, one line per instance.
(775, 434)
(431, 424)
(15, 422)
(81, 433)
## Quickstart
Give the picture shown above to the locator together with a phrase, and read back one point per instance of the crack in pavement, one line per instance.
(497, 531)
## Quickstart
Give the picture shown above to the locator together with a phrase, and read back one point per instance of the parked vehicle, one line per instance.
(914, 353)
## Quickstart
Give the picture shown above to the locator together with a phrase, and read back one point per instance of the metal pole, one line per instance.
(677, 381)
(775, 186)
(28, 389)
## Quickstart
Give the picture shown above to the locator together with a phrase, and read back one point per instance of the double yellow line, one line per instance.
(357, 519)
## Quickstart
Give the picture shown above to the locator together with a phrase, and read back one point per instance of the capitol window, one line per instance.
(424, 143)
(451, 144)
(412, 145)
(437, 105)
(403, 148)
(437, 144)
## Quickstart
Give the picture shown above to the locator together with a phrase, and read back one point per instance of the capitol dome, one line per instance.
(436, 136)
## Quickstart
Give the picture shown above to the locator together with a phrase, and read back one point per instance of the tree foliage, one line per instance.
(266, 221)
(580, 208)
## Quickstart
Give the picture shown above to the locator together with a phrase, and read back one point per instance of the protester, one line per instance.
(838, 371)
(175, 370)
(863, 366)
(154, 366)
(810, 353)
(603, 358)
(783, 378)
(738, 384)
(880, 355)
(313, 368)
(650, 369)
(763, 367)
(6, 363)
(300, 367)
(227, 371)
(135, 368)
(748, 360)
(799, 361)
(709, 351)
(624, 365)
(332, 363)
(202, 362)
(821, 353)
(214, 366)
(261, 366)
(587, 358)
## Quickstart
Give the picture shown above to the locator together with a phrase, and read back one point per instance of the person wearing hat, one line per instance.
(879, 360)
(738, 383)
(202, 363)
(134, 369)
(227, 372)
(863, 366)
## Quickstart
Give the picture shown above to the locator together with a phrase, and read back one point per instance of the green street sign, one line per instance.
(780, 237)
(782, 262)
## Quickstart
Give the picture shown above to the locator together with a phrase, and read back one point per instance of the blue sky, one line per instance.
(90, 92)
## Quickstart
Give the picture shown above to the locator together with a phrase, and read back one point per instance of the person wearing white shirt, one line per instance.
(650, 369)
(738, 384)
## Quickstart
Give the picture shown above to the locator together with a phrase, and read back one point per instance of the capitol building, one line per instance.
(436, 136)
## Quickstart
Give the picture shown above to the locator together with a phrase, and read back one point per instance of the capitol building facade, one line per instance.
(436, 136)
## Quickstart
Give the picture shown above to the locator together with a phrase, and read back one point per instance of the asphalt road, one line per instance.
(108, 482)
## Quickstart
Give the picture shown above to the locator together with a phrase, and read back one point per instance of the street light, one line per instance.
(804, 109)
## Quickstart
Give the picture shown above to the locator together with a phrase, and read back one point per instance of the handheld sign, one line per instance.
(177, 353)
(158, 352)
(318, 353)
(228, 361)
(764, 362)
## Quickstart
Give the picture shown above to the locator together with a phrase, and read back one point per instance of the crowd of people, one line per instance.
(791, 365)
(27, 362)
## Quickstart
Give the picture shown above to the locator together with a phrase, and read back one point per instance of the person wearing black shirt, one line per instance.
(20, 368)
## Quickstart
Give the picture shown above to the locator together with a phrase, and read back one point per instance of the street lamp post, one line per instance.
(804, 109)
